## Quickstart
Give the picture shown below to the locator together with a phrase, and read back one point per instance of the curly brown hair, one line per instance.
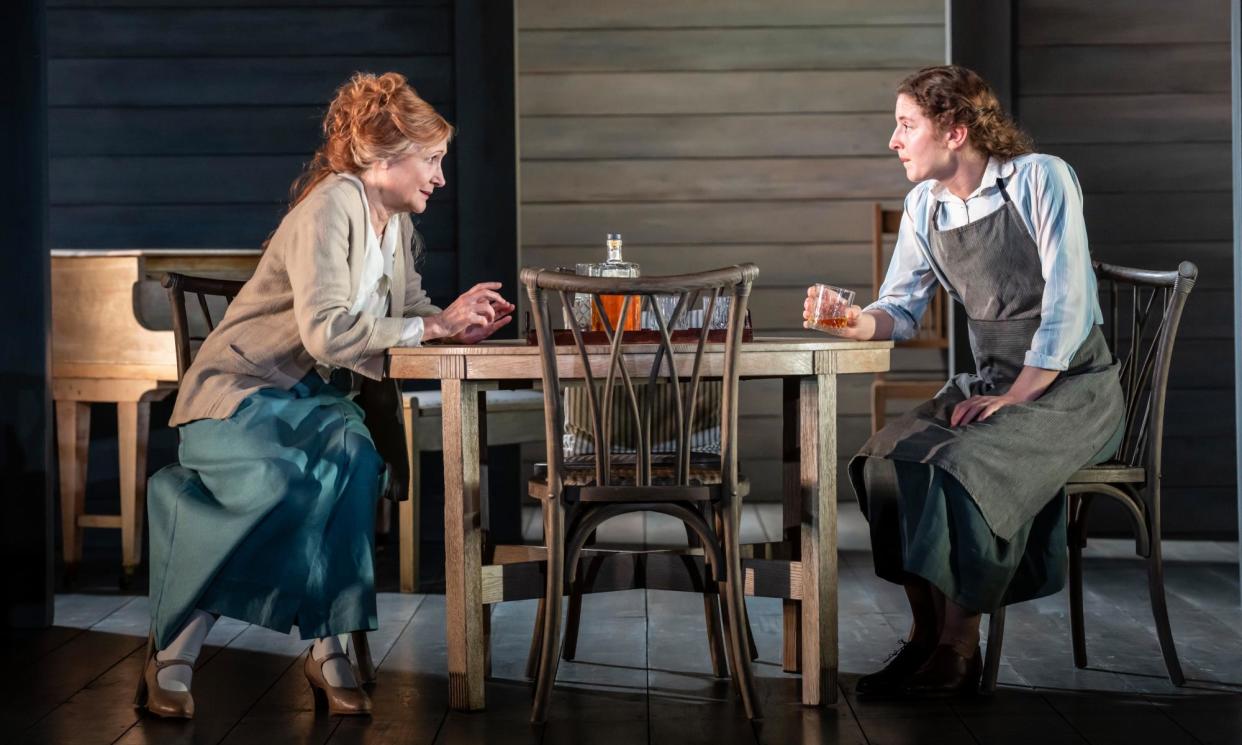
(950, 95)
(371, 117)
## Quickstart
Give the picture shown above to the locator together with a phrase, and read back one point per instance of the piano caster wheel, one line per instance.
(69, 577)
(126, 580)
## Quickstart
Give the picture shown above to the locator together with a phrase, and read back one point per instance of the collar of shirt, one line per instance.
(995, 169)
(393, 221)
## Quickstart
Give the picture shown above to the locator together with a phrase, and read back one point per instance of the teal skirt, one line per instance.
(269, 517)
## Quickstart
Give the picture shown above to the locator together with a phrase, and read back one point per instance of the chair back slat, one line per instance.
(695, 376)
(669, 363)
(601, 468)
(204, 289)
(680, 415)
(1143, 347)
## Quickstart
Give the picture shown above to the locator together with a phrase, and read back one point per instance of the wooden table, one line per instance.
(802, 570)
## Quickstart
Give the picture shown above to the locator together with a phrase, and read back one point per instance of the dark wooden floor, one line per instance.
(643, 673)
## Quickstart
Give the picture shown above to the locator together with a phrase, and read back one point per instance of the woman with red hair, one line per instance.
(269, 516)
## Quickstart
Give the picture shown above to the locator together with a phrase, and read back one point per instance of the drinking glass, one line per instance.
(831, 308)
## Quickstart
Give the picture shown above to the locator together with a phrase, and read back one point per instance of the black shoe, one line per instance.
(902, 663)
(946, 673)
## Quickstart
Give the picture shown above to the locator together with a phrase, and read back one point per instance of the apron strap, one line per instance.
(1000, 184)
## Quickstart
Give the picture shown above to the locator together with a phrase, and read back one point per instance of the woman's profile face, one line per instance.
(918, 142)
(408, 180)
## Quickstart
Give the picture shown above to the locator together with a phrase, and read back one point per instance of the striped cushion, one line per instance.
(704, 431)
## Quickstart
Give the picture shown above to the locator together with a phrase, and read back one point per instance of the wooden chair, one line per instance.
(206, 289)
(705, 496)
(933, 331)
(1143, 343)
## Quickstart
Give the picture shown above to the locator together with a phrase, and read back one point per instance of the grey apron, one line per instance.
(1018, 460)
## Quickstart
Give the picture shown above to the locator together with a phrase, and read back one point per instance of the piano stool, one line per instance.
(513, 417)
(112, 343)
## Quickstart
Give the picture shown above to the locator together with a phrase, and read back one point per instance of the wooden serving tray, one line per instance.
(565, 337)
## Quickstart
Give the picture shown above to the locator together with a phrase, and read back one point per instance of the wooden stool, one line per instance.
(513, 417)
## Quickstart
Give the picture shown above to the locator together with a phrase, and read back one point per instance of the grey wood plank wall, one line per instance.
(1135, 96)
(183, 125)
(710, 133)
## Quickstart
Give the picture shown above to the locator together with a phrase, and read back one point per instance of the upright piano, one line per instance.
(112, 342)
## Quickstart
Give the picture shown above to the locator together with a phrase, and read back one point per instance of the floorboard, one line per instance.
(411, 696)
(643, 674)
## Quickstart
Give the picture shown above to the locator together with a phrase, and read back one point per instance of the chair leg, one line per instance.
(554, 538)
(791, 636)
(736, 613)
(750, 634)
(879, 402)
(132, 423)
(73, 439)
(991, 663)
(573, 615)
(487, 641)
(1077, 628)
(1160, 610)
(536, 643)
(362, 653)
(712, 617)
(407, 511)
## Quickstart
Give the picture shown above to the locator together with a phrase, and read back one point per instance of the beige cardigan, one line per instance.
(294, 311)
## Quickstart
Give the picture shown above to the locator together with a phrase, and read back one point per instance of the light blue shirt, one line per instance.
(1048, 198)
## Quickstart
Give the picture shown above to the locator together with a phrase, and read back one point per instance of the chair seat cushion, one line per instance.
(1110, 472)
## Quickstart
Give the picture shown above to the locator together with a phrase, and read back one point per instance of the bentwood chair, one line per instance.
(578, 495)
(1144, 310)
(213, 294)
(933, 331)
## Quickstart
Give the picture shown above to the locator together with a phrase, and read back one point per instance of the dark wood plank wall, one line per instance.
(1135, 96)
(26, 419)
(710, 133)
(183, 125)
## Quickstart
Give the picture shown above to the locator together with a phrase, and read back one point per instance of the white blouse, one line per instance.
(377, 268)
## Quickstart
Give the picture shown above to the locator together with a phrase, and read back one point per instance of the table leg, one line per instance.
(791, 518)
(462, 544)
(818, 435)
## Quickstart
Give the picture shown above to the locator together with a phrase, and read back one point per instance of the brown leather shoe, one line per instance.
(339, 701)
(946, 673)
(158, 701)
(888, 680)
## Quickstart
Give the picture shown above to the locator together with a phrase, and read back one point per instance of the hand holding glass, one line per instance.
(828, 308)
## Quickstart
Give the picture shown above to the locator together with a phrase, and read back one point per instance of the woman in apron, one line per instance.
(964, 494)
(269, 517)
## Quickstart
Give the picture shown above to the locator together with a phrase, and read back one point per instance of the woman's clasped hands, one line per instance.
(477, 314)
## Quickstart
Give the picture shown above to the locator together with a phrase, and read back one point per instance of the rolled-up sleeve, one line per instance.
(909, 282)
(1070, 306)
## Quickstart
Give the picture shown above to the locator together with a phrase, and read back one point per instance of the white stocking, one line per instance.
(336, 672)
(184, 646)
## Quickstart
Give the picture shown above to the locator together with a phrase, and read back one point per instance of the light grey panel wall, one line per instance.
(1135, 95)
(710, 132)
